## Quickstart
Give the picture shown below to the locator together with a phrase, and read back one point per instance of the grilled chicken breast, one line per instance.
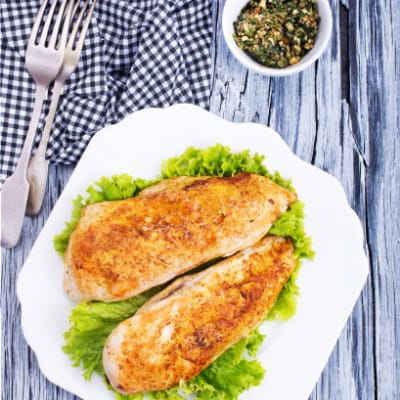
(122, 248)
(181, 330)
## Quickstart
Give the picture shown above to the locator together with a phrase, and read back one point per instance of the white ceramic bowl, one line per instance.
(232, 10)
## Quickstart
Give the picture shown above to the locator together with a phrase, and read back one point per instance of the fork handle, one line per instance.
(14, 193)
(40, 96)
(38, 166)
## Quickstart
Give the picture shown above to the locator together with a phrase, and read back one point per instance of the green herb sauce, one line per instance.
(277, 33)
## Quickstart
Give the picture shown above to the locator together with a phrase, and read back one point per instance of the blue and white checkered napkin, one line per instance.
(137, 54)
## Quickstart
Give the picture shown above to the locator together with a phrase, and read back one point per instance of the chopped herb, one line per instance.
(277, 33)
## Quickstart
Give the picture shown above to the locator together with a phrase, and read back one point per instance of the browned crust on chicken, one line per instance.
(122, 248)
(180, 331)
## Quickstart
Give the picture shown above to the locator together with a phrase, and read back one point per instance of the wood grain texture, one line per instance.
(343, 115)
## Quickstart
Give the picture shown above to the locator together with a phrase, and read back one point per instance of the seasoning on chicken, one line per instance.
(185, 327)
(122, 248)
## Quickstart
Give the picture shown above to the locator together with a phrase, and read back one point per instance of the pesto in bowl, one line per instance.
(277, 33)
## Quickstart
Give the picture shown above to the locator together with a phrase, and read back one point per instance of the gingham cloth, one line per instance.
(137, 54)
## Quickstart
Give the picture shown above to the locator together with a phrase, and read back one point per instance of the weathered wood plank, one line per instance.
(21, 376)
(298, 111)
(349, 373)
(331, 128)
(236, 93)
(382, 112)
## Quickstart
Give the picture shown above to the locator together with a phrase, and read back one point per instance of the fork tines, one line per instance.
(57, 9)
(81, 16)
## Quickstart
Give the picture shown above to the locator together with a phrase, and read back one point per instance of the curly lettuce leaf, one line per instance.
(61, 240)
(235, 367)
(291, 224)
(92, 322)
(90, 325)
(219, 161)
(216, 161)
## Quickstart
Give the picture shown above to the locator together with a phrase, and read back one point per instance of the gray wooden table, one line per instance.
(342, 115)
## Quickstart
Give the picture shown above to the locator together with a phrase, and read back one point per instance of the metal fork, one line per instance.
(38, 165)
(44, 56)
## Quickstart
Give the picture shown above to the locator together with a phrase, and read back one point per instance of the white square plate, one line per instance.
(293, 352)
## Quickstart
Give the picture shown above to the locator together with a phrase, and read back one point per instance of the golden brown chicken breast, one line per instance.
(181, 330)
(122, 248)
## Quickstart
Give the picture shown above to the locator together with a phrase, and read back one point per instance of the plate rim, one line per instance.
(101, 136)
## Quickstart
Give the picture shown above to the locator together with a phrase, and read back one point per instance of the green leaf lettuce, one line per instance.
(91, 323)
